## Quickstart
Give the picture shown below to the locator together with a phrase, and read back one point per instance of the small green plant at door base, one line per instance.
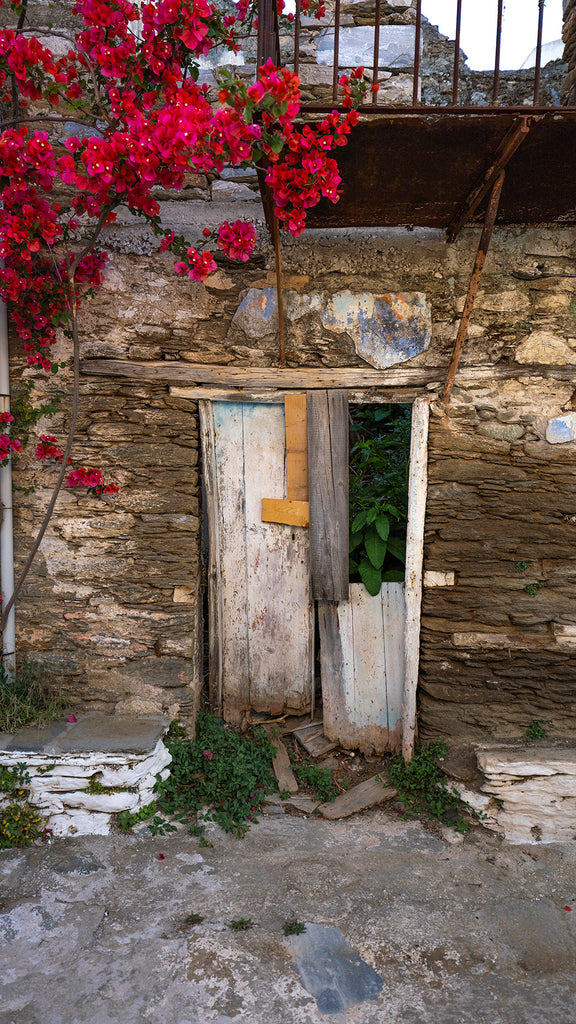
(126, 820)
(241, 924)
(318, 779)
(293, 927)
(220, 773)
(422, 785)
(535, 731)
(520, 566)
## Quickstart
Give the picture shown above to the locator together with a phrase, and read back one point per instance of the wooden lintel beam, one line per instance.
(512, 140)
(309, 378)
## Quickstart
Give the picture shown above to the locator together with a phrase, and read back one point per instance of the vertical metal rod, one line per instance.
(457, 54)
(336, 51)
(417, 37)
(6, 524)
(376, 49)
(264, 31)
(538, 52)
(297, 15)
(496, 81)
(487, 230)
(279, 289)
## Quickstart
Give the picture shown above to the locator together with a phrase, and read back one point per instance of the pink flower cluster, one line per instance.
(92, 479)
(7, 444)
(47, 448)
(237, 240)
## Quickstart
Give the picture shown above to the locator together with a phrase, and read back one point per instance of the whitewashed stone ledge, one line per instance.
(123, 754)
(533, 793)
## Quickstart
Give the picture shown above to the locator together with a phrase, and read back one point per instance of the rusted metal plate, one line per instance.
(419, 168)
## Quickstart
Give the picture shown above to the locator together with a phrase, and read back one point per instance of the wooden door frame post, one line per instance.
(417, 489)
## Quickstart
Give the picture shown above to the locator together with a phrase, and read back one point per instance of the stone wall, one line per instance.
(569, 37)
(113, 600)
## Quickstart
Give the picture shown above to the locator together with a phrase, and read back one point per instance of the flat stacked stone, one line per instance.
(535, 792)
(69, 763)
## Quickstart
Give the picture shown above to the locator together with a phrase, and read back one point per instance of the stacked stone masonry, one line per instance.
(84, 774)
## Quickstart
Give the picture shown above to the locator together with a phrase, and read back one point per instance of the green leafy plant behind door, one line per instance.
(379, 456)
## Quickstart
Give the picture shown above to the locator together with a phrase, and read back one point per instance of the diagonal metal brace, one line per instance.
(487, 230)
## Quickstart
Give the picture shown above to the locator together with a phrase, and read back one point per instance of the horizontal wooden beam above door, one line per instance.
(308, 377)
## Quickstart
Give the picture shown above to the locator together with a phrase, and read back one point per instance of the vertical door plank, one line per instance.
(327, 414)
(361, 657)
(214, 590)
(231, 577)
(417, 486)
(296, 447)
(367, 702)
(279, 605)
(393, 619)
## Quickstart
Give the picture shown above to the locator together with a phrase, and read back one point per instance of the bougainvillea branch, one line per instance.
(117, 112)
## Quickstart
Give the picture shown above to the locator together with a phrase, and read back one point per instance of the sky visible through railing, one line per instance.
(478, 32)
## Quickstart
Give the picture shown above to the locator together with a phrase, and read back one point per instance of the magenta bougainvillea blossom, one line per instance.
(118, 114)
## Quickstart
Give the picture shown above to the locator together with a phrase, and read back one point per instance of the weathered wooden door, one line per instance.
(369, 646)
(261, 609)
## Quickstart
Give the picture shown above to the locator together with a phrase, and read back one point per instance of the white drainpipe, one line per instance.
(6, 530)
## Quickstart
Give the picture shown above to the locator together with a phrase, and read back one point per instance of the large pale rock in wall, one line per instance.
(387, 329)
(356, 46)
(544, 347)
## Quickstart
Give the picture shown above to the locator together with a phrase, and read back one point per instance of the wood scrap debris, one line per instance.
(311, 737)
(285, 777)
(366, 794)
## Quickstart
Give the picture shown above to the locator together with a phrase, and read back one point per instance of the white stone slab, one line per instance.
(356, 46)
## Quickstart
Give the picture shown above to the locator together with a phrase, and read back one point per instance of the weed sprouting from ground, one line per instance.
(293, 927)
(318, 779)
(222, 774)
(422, 786)
(29, 699)
(241, 924)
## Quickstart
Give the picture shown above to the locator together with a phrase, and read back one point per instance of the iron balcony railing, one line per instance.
(270, 39)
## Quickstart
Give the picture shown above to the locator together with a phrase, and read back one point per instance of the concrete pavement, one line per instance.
(403, 927)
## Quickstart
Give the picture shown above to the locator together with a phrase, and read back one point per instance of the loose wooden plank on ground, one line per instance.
(281, 764)
(366, 794)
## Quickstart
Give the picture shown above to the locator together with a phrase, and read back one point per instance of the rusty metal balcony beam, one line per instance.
(510, 143)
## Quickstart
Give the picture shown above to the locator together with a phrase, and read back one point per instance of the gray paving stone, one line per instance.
(333, 972)
(111, 733)
(35, 740)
